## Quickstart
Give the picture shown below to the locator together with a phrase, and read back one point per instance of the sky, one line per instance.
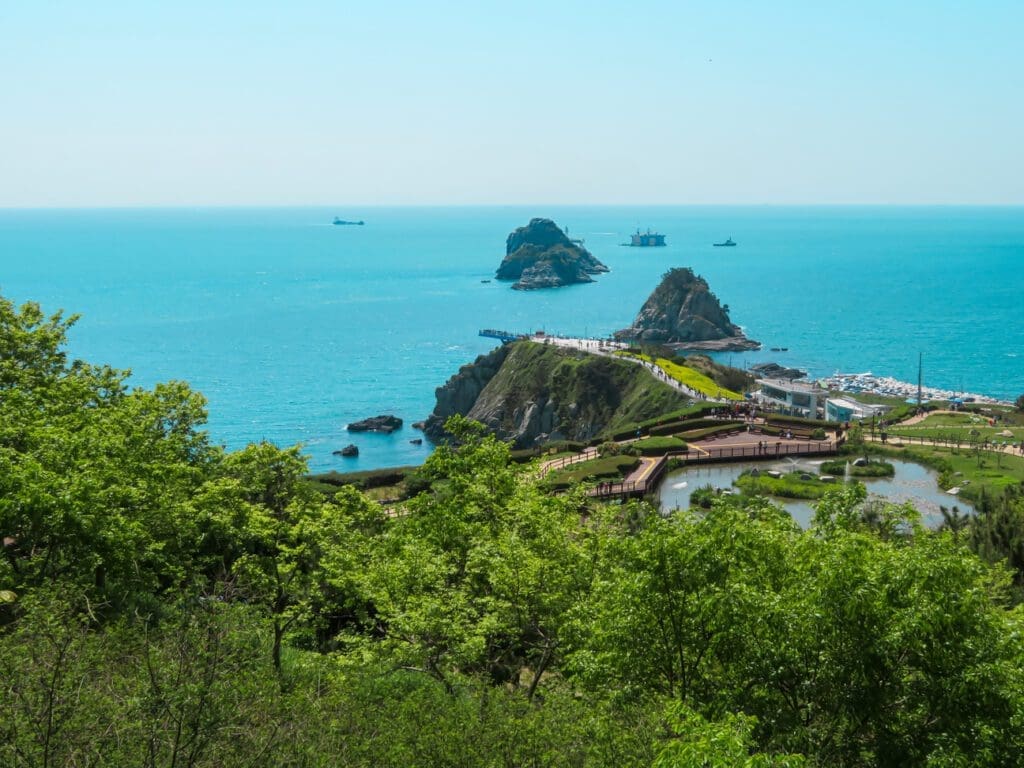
(190, 103)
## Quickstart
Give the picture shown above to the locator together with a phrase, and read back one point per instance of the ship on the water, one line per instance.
(647, 239)
(341, 222)
(727, 244)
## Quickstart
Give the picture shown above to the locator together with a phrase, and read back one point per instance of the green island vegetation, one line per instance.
(873, 468)
(597, 396)
(792, 485)
(165, 602)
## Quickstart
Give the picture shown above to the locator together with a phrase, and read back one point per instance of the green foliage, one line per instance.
(699, 743)
(790, 486)
(615, 466)
(725, 376)
(876, 468)
(658, 446)
(176, 605)
(703, 497)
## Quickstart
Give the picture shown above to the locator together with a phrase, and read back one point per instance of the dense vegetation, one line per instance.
(166, 603)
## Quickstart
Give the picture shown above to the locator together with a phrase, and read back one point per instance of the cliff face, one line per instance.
(540, 255)
(684, 313)
(531, 393)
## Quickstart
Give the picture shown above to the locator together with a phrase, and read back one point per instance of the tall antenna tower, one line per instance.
(919, 358)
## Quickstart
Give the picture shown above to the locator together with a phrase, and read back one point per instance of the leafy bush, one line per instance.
(703, 496)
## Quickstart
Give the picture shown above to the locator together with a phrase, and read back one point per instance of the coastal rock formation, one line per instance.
(540, 255)
(530, 394)
(348, 451)
(386, 424)
(683, 313)
(776, 371)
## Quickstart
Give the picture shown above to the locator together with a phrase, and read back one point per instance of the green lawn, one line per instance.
(987, 472)
(960, 427)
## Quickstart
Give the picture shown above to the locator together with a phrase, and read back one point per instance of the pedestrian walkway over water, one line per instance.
(645, 478)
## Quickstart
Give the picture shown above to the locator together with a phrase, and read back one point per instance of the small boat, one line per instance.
(341, 222)
(727, 244)
(485, 281)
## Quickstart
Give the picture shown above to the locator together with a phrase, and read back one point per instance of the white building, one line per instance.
(841, 409)
(793, 398)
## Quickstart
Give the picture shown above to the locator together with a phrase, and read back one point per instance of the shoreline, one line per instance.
(886, 386)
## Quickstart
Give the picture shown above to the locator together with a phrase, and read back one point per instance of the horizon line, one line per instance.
(280, 206)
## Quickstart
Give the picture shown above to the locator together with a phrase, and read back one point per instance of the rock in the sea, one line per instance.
(682, 312)
(776, 371)
(347, 451)
(418, 425)
(385, 424)
(540, 255)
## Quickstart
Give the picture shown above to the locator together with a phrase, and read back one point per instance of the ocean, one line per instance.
(292, 327)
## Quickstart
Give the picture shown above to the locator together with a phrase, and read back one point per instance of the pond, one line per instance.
(912, 482)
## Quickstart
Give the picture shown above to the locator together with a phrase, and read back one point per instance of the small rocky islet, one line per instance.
(682, 313)
(385, 424)
(541, 255)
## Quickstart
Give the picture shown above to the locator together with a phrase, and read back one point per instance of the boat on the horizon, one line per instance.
(341, 222)
(727, 244)
(647, 239)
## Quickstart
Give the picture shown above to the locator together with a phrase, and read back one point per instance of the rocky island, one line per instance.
(540, 255)
(683, 313)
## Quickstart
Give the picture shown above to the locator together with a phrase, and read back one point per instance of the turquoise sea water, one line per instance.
(293, 327)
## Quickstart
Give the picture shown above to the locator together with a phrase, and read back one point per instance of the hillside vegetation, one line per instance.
(540, 393)
(164, 602)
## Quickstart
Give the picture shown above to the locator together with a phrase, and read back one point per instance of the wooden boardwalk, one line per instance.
(649, 474)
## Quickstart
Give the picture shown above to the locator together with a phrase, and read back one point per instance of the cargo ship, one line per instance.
(647, 239)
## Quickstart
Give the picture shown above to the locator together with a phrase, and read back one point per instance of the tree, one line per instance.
(478, 574)
(95, 479)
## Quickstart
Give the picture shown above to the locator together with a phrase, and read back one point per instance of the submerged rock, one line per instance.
(540, 255)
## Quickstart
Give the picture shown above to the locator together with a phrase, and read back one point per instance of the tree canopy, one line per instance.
(165, 602)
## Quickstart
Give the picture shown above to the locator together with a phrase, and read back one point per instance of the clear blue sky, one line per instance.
(239, 103)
